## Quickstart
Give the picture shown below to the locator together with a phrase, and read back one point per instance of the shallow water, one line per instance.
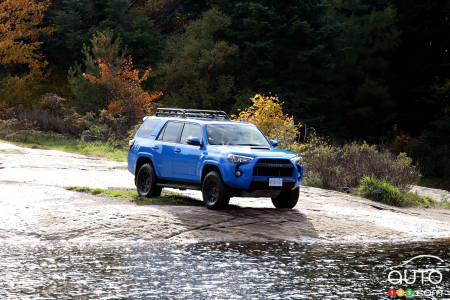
(205, 271)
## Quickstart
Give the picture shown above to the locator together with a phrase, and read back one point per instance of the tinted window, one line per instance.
(191, 130)
(147, 128)
(171, 131)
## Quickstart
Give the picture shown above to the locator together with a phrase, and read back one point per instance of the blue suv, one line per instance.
(204, 150)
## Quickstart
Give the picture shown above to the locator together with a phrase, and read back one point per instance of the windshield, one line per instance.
(235, 134)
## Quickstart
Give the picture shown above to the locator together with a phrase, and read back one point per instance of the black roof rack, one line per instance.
(192, 113)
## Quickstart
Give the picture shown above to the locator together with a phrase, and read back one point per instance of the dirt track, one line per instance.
(35, 206)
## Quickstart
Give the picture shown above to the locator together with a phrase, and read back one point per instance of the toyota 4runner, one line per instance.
(204, 150)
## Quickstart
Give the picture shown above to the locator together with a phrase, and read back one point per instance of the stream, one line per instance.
(144, 270)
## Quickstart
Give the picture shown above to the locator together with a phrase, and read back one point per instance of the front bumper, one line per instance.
(248, 182)
(262, 183)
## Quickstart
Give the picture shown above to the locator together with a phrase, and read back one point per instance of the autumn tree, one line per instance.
(266, 112)
(111, 79)
(21, 59)
(125, 95)
(19, 35)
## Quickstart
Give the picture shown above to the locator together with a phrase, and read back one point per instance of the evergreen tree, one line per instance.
(77, 20)
(94, 97)
(194, 72)
(328, 60)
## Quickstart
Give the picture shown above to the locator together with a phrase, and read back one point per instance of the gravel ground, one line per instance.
(36, 206)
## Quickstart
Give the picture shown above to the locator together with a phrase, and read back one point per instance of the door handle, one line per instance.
(177, 150)
(155, 147)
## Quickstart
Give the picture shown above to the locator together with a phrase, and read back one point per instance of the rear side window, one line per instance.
(147, 128)
(191, 130)
(171, 132)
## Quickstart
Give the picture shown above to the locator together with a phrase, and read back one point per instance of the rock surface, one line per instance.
(435, 194)
(36, 206)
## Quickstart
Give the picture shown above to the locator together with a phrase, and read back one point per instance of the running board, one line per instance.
(180, 185)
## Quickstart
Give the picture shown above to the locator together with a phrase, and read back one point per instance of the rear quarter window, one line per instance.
(147, 128)
(170, 132)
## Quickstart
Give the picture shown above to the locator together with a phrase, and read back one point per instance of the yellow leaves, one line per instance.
(19, 33)
(267, 113)
(20, 90)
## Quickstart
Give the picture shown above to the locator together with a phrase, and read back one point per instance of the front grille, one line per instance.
(273, 167)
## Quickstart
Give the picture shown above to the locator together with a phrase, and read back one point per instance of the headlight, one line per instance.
(298, 160)
(239, 159)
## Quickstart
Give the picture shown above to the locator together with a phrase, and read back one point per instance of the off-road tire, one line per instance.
(215, 193)
(286, 199)
(146, 182)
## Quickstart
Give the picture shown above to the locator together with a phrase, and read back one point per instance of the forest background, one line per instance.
(349, 70)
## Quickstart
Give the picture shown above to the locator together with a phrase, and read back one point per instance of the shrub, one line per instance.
(267, 113)
(382, 191)
(49, 114)
(313, 181)
(16, 124)
(8, 113)
(100, 131)
(341, 168)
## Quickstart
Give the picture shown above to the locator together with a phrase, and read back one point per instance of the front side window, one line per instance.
(235, 134)
(170, 132)
(191, 130)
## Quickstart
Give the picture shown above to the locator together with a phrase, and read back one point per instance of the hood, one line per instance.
(257, 151)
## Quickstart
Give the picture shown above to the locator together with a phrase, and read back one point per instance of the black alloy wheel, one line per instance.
(146, 182)
(215, 193)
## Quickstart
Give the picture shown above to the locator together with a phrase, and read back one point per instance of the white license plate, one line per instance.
(275, 182)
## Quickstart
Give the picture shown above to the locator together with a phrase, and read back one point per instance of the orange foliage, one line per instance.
(123, 84)
(19, 32)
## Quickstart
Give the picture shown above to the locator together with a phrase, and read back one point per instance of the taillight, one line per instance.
(130, 144)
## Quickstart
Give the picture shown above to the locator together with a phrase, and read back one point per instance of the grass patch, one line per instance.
(384, 192)
(445, 204)
(51, 140)
(167, 197)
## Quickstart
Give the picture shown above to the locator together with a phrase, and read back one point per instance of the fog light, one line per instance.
(238, 173)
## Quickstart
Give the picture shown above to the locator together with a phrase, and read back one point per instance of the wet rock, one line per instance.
(36, 206)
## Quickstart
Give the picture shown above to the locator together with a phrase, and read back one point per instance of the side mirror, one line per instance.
(195, 141)
(273, 143)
